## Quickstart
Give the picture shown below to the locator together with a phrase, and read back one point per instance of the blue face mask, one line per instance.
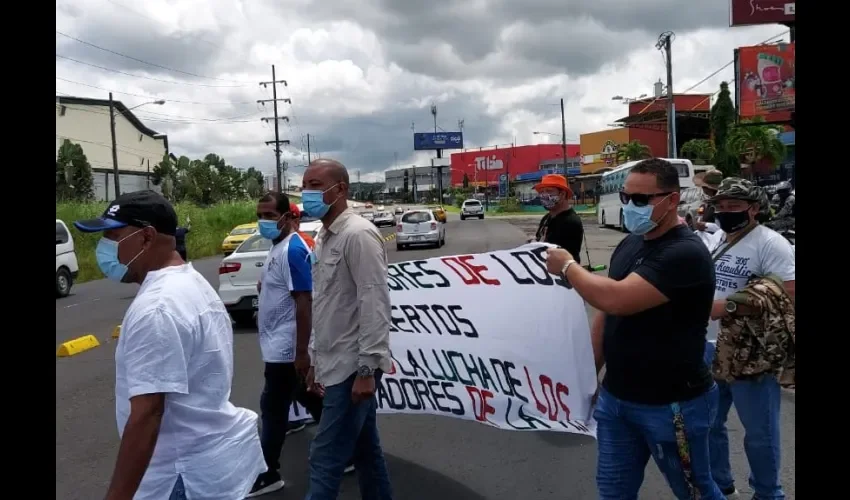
(314, 202)
(269, 229)
(638, 220)
(106, 255)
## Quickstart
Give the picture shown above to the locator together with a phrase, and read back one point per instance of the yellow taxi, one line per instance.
(236, 236)
(439, 213)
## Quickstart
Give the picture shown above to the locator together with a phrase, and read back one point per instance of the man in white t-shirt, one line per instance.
(181, 437)
(741, 249)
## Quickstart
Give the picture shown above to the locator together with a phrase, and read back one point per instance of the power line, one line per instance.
(181, 119)
(98, 47)
(202, 103)
(145, 77)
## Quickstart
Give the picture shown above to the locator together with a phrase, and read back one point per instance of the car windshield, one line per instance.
(242, 230)
(416, 217)
(368, 213)
(472, 203)
(255, 243)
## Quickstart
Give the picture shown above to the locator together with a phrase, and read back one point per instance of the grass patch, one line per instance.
(209, 227)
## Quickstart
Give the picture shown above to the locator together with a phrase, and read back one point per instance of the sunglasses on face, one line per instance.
(639, 199)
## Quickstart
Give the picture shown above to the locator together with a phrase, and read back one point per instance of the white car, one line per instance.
(384, 219)
(471, 208)
(419, 227)
(240, 271)
(369, 216)
(66, 260)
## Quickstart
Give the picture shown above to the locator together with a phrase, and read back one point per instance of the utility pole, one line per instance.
(564, 137)
(115, 174)
(308, 149)
(277, 142)
(664, 43)
(439, 155)
(149, 175)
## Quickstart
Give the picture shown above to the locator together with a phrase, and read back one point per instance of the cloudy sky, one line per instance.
(362, 74)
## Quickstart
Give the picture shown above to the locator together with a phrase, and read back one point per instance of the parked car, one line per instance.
(369, 216)
(419, 227)
(384, 219)
(236, 236)
(471, 208)
(691, 204)
(66, 260)
(399, 210)
(439, 212)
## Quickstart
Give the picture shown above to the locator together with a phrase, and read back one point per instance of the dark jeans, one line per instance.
(183, 255)
(629, 433)
(281, 387)
(347, 429)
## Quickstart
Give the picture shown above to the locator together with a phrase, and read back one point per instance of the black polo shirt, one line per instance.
(564, 230)
(657, 356)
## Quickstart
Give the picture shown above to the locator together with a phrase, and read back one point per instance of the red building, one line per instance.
(647, 121)
(483, 167)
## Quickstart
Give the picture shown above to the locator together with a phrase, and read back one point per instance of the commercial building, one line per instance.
(484, 167)
(425, 179)
(86, 122)
(647, 124)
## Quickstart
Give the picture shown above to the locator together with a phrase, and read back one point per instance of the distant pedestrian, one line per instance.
(296, 224)
(180, 240)
(181, 437)
(561, 225)
(657, 398)
(351, 332)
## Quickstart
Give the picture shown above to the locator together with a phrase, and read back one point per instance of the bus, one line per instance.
(609, 212)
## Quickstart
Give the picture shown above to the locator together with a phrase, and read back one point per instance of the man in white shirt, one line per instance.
(180, 435)
(741, 249)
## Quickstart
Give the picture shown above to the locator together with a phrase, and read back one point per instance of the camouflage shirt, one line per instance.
(762, 343)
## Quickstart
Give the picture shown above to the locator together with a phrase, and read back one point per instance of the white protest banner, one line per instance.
(490, 337)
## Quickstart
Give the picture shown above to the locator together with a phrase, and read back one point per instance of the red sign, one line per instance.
(765, 82)
(485, 166)
(747, 12)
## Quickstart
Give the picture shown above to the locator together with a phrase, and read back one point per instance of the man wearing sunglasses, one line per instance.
(657, 398)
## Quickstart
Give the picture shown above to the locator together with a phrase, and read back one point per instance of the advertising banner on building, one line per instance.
(748, 12)
(428, 141)
(764, 82)
(492, 338)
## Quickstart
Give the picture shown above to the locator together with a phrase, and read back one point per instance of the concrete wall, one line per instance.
(104, 184)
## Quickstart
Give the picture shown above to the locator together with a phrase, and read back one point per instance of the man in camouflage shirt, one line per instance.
(743, 249)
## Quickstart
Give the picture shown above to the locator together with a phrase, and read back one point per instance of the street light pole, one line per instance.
(115, 174)
(564, 137)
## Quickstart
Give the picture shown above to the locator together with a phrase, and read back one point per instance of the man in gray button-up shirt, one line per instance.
(350, 347)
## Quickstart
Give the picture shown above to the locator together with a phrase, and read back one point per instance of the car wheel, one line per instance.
(399, 247)
(63, 282)
(603, 219)
(481, 217)
(243, 319)
(462, 217)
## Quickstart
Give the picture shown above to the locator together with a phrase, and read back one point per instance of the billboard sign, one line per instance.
(764, 82)
(748, 12)
(503, 185)
(429, 141)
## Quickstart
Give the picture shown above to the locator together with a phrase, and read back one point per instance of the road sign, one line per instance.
(428, 141)
(503, 185)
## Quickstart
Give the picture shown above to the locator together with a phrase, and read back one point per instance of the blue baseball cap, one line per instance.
(138, 209)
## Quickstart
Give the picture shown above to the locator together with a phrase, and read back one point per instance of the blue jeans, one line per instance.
(179, 491)
(757, 403)
(628, 433)
(347, 429)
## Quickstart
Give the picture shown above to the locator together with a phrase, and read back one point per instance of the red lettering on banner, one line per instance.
(483, 408)
(552, 394)
(471, 274)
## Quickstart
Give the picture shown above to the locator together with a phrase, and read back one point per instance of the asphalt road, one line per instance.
(429, 457)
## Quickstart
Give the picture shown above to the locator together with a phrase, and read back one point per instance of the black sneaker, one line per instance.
(266, 482)
(729, 492)
(295, 427)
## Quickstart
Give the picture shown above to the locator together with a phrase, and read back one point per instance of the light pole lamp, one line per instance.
(115, 174)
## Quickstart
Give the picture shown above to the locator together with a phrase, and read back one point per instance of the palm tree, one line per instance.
(754, 143)
(699, 150)
(634, 150)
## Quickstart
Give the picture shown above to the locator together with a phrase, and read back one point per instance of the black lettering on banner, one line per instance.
(498, 366)
(401, 368)
(444, 282)
(451, 376)
(559, 280)
(443, 314)
(432, 374)
(426, 311)
(472, 333)
(485, 375)
(541, 275)
(575, 425)
(396, 279)
(418, 394)
(450, 355)
(519, 281)
(413, 318)
(515, 383)
(397, 322)
(531, 422)
(415, 365)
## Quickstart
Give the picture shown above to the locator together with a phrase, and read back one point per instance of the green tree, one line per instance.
(753, 143)
(722, 121)
(700, 151)
(74, 181)
(634, 150)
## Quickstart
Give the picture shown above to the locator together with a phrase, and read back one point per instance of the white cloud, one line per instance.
(360, 77)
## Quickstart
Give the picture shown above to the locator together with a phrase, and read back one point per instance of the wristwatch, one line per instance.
(567, 266)
(731, 307)
(365, 371)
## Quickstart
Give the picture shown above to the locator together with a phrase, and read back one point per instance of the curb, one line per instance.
(389, 238)
(76, 346)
